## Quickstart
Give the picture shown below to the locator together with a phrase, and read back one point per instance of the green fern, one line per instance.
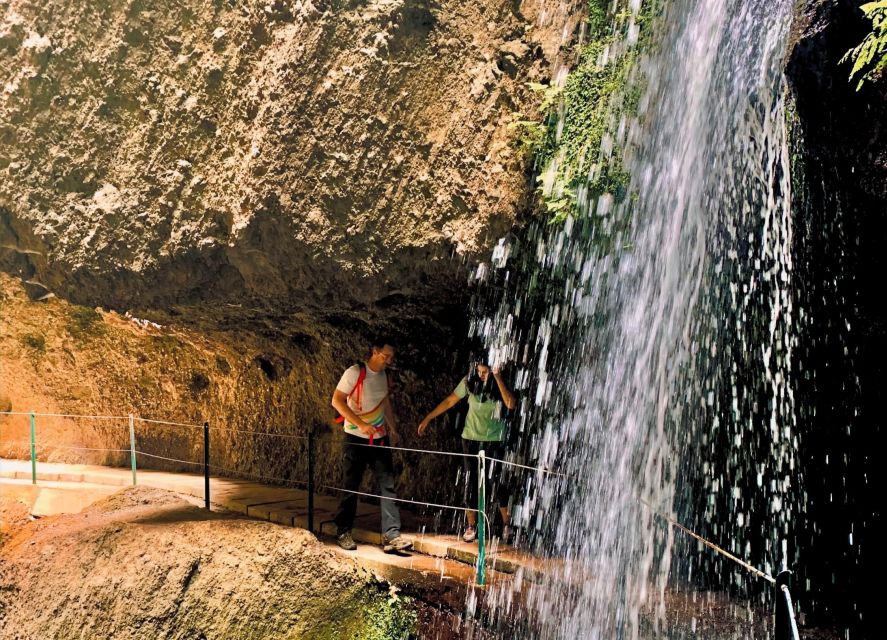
(870, 56)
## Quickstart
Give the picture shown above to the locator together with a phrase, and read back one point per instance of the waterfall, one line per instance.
(654, 339)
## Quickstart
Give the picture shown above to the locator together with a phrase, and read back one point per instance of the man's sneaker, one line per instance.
(345, 541)
(395, 544)
(470, 534)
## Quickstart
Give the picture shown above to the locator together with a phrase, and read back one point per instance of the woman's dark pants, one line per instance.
(497, 483)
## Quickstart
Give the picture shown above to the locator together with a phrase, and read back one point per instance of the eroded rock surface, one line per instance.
(315, 152)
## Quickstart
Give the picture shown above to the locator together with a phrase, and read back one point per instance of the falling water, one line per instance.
(654, 339)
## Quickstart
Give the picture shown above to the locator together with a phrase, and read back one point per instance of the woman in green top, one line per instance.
(484, 429)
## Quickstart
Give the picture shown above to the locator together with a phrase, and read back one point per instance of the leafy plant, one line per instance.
(550, 95)
(572, 144)
(870, 56)
(529, 134)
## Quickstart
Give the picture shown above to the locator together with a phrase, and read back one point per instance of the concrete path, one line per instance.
(439, 557)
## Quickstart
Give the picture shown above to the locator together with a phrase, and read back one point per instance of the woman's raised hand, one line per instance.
(422, 426)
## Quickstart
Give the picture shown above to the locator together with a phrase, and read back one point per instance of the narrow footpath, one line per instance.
(435, 561)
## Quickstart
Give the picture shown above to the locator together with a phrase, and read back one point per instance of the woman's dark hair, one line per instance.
(488, 390)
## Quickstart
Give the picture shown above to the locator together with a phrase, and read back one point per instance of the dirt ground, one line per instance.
(144, 563)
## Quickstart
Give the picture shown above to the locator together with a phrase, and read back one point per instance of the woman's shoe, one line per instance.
(470, 534)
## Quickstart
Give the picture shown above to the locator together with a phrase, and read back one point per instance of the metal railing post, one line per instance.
(206, 465)
(132, 447)
(481, 517)
(33, 448)
(311, 444)
(785, 627)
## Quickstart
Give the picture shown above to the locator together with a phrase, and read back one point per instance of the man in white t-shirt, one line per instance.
(362, 398)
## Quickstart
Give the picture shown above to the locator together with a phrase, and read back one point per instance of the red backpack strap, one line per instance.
(357, 391)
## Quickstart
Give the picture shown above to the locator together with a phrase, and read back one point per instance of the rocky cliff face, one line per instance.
(311, 153)
(840, 173)
(271, 184)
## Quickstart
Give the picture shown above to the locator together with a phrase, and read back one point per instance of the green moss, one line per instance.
(165, 344)
(34, 341)
(389, 619)
(84, 322)
(372, 615)
(601, 89)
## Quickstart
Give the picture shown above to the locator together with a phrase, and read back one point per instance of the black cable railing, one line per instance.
(785, 625)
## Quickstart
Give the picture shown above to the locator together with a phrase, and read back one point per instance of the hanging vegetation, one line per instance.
(870, 56)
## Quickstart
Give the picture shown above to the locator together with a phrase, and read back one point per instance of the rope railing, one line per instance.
(286, 436)
(440, 453)
(786, 621)
(167, 422)
(257, 475)
(156, 457)
(393, 499)
(742, 563)
(41, 446)
(62, 415)
(543, 470)
(59, 446)
(311, 438)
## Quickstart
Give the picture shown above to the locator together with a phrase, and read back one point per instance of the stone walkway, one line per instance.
(437, 557)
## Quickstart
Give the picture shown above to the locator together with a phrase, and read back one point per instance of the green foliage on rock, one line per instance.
(84, 322)
(573, 143)
(34, 341)
(870, 56)
(390, 619)
(372, 616)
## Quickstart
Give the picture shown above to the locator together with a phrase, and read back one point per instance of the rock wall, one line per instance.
(271, 184)
(243, 374)
(840, 174)
(316, 153)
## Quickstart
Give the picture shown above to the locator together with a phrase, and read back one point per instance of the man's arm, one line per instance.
(390, 420)
(340, 404)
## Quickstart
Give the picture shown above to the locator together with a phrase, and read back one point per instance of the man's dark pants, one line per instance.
(357, 457)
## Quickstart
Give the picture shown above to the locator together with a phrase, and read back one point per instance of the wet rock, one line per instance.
(840, 171)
